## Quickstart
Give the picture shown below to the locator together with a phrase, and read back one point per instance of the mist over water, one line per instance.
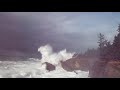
(36, 68)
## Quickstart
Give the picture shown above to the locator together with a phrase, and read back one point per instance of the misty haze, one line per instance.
(59, 45)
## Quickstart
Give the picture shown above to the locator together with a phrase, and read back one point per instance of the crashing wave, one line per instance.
(35, 68)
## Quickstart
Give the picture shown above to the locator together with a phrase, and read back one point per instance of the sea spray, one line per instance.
(35, 68)
(54, 58)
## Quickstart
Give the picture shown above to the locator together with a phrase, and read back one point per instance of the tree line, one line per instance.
(106, 50)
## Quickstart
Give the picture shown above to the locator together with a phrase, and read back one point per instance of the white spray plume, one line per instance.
(54, 58)
(34, 68)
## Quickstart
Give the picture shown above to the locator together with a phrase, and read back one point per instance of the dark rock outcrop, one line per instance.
(98, 70)
(112, 69)
(49, 66)
(76, 64)
(102, 69)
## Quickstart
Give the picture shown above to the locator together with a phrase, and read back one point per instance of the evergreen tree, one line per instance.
(101, 43)
(116, 45)
(108, 51)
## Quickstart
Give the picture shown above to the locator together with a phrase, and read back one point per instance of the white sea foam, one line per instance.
(37, 68)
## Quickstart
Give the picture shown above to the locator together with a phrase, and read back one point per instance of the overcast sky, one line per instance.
(75, 31)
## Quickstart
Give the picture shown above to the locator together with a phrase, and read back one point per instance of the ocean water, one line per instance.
(36, 68)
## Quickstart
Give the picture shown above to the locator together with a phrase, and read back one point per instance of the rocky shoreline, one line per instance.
(96, 68)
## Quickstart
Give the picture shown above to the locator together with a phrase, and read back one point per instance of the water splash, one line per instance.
(35, 68)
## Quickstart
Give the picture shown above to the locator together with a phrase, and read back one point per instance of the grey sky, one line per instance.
(75, 31)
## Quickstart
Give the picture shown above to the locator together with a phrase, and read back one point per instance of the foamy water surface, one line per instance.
(35, 68)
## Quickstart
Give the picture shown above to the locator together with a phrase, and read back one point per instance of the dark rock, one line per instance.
(75, 64)
(112, 69)
(49, 66)
(98, 70)
(102, 69)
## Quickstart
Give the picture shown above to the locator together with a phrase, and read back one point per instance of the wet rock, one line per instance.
(49, 66)
(75, 64)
